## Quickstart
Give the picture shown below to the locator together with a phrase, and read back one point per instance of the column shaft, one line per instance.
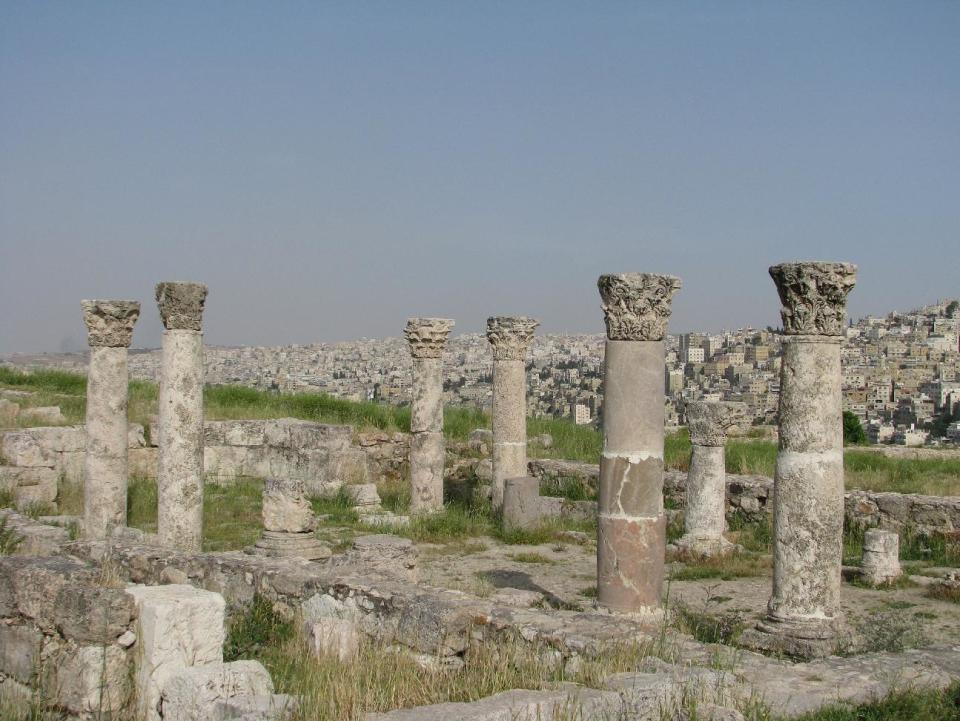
(105, 464)
(427, 448)
(808, 488)
(631, 534)
(180, 473)
(704, 516)
(509, 421)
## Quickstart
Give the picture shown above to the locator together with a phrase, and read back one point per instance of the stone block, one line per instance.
(382, 553)
(43, 414)
(20, 652)
(91, 681)
(61, 439)
(8, 412)
(285, 507)
(135, 436)
(521, 502)
(273, 707)
(336, 637)
(20, 448)
(36, 584)
(178, 626)
(243, 433)
(363, 494)
(190, 694)
(93, 614)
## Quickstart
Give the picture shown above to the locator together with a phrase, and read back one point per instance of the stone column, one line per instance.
(632, 527)
(510, 338)
(109, 331)
(881, 557)
(808, 479)
(289, 522)
(427, 338)
(180, 471)
(705, 513)
(521, 507)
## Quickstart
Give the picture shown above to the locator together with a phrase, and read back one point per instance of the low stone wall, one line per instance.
(66, 633)
(35, 459)
(325, 456)
(752, 497)
(902, 452)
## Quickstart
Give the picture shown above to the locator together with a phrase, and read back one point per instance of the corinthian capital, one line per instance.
(510, 336)
(636, 306)
(427, 336)
(814, 296)
(709, 422)
(181, 305)
(110, 322)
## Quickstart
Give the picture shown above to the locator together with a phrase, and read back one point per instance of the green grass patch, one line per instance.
(570, 441)
(531, 558)
(875, 472)
(232, 512)
(252, 633)
(914, 704)
(9, 539)
(726, 568)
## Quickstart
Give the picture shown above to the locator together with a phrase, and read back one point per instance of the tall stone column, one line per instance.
(631, 539)
(109, 331)
(705, 513)
(427, 338)
(808, 479)
(510, 338)
(180, 472)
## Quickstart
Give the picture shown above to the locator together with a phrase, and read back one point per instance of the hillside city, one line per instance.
(901, 372)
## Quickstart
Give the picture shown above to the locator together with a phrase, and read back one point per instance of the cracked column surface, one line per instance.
(510, 338)
(109, 331)
(180, 472)
(706, 506)
(631, 534)
(427, 338)
(808, 479)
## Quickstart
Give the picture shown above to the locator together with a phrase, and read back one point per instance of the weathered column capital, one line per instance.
(709, 422)
(636, 306)
(181, 305)
(110, 322)
(814, 296)
(427, 336)
(510, 336)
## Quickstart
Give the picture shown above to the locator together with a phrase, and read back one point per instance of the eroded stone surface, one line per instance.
(285, 506)
(521, 503)
(814, 296)
(181, 305)
(427, 336)
(636, 306)
(709, 422)
(110, 322)
(510, 339)
(180, 466)
(510, 336)
(881, 557)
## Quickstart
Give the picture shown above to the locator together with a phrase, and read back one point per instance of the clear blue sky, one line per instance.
(332, 168)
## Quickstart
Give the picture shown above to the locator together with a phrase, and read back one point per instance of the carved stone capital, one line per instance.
(510, 336)
(814, 296)
(181, 305)
(709, 422)
(110, 322)
(427, 336)
(636, 306)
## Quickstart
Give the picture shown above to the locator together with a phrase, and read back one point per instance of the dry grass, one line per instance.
(383, 678)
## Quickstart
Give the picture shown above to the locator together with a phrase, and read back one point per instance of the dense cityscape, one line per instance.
(901, 372)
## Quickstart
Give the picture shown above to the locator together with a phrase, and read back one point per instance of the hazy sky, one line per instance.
(331, 168)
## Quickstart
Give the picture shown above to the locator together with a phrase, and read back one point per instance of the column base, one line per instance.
(799, 638)
(700, 547)
(278, 544)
